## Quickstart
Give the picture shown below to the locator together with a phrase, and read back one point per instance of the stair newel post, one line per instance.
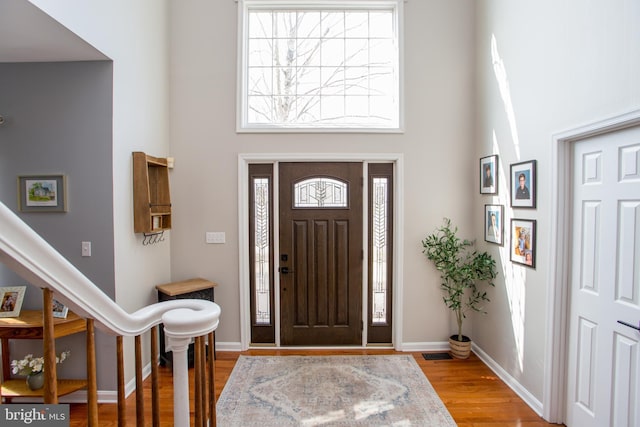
(179, 347)
(180, 326)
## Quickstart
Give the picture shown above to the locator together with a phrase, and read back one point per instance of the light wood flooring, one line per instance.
(472, 393)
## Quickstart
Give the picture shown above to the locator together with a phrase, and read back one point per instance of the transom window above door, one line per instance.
(319, 65)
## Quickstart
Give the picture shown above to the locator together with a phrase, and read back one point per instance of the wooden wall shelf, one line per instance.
(151, 194)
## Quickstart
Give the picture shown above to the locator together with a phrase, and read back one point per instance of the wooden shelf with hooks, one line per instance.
(151, 194)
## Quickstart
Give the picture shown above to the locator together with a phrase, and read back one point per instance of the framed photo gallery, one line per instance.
(522, 195)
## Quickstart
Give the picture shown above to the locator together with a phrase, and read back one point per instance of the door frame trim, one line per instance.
(555, 361)
(244, 159)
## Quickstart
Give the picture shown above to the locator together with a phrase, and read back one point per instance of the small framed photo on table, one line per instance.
(11, 300)
(494, 224)
(60, 310)
(523, 184)
(523, 242)
(489, 175)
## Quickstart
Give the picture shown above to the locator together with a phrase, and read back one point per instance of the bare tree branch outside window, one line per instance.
(322, 68)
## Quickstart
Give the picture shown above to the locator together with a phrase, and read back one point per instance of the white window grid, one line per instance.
(337, 97)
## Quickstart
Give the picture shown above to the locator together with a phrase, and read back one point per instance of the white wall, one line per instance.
(564, 64)
(134, 36)
(440, 163)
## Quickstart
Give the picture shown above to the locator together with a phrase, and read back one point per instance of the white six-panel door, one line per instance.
(603, 385)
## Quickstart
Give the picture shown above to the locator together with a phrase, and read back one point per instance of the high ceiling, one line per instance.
(27, 34)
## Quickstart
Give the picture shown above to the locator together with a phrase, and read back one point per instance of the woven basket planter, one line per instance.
(460, 349)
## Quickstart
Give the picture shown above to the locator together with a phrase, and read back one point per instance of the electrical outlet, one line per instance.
(215, 237)
(86, 248)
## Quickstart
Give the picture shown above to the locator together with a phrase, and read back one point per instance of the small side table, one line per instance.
(187, 289)
(29, 325)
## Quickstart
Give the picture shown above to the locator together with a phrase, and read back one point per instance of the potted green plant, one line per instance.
(462, 270)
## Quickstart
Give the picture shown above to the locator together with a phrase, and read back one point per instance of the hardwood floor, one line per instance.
(472, 393)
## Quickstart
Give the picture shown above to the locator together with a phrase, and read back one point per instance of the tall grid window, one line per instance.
(320, 65)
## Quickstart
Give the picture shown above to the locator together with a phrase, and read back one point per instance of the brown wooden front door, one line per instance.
(320, 253)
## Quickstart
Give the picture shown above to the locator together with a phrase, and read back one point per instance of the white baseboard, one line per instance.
(407, 347)
(228, 346)
(106, 396)
(510, 381)
(423, 346)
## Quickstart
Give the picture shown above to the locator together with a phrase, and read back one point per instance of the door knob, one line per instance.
(637, 328)
(285, 270)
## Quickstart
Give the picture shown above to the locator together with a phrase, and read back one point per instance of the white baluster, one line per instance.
(179, 347)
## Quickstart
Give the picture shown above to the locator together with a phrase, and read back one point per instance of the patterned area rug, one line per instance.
(330, 391)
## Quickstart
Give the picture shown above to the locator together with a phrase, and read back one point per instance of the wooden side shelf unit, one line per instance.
(151, 194)
(30, 325)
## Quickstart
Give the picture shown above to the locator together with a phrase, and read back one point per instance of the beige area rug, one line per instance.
(330, 391)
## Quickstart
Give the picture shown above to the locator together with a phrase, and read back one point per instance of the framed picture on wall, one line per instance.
(11, 300)
(523, 184)
(489, 175)
(523, 242)
(494, 224)
(42, 193)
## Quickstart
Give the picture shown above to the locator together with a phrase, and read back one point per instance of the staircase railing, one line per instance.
(30, 256)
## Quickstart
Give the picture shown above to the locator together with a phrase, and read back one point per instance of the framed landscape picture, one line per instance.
(523, 242)
(494, 224)
(42, 193)
(489, 175)
(523, 184)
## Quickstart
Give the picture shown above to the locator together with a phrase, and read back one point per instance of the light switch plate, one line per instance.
(86, 248)
(215, 237)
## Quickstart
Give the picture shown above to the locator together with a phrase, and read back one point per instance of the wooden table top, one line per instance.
(29, 325)
(185, 286)
(33, 318)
